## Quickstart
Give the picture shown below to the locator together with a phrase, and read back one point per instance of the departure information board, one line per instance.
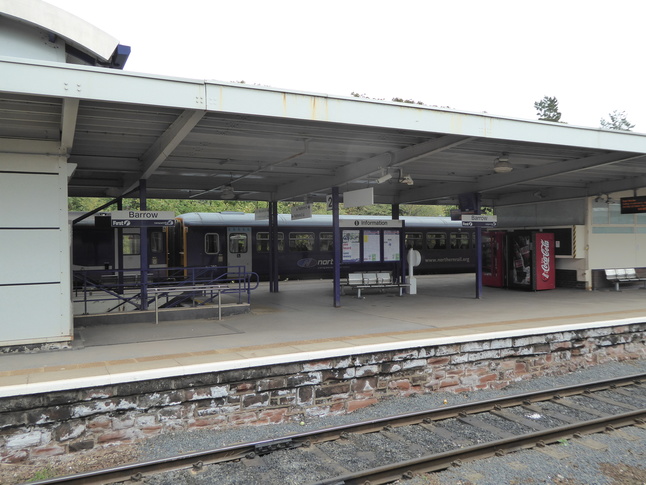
(633, 205)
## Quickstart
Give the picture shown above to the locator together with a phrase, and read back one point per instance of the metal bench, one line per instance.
(379, 280)
(623, 275)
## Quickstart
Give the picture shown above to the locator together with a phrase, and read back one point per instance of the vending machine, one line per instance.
(519, 259)
(530, 260)
(493, 258)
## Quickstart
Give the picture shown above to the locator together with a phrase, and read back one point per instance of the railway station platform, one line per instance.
(299, 323)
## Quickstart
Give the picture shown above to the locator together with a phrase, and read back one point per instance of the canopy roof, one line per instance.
(190, 138)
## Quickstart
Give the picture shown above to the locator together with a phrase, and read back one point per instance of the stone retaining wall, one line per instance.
(68, 421)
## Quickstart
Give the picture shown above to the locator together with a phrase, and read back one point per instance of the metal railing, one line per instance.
(123, 289)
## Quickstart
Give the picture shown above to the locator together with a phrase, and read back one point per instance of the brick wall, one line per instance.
(69, 421)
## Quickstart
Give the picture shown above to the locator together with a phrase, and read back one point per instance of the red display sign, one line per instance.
(544, 261)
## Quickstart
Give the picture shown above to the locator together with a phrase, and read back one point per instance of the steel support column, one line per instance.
(478, 244)
(336, 242)
(273, 247)
(143, 246)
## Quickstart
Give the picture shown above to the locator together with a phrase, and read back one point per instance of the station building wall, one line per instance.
(603, 237)
(35, 294)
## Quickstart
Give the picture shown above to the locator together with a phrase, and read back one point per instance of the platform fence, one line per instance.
(125, 290)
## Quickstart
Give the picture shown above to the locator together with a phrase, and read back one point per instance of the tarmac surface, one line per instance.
(301, 323)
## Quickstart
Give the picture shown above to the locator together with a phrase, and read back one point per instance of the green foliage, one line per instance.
(182, 206)
(44, 474)
(617, 122)
(548, 109)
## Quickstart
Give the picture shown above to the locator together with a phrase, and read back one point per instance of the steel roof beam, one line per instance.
(159, 151)
(68, 124)
(368, 166)
(499, 181)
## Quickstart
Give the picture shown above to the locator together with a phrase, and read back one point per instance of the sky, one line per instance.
(495, 56)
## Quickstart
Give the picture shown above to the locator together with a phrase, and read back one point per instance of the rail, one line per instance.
(471, 415)
(214, 290)
(119, 290)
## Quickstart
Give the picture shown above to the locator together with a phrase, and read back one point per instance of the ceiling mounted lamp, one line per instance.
(406, 179)
(502, 165)
(227, 193)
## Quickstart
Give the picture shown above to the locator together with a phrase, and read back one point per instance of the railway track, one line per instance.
(388, 449)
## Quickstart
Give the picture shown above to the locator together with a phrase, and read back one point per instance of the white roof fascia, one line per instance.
(68, 26)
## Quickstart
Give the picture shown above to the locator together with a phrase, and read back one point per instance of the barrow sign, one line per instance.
(479, 220)
(142, 218)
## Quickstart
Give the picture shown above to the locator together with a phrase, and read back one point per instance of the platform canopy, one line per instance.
(193, 138)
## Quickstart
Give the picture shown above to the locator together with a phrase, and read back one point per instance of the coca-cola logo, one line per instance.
(545, 259)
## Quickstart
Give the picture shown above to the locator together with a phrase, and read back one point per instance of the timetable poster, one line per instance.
(351, 246)
(391, 245)
(371, 250)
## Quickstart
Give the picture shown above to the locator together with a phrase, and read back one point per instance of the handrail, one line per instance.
(124, 286)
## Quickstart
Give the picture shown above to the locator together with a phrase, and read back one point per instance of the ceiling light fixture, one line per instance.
(227, 192)
(502, 165)
(384, 178)
(406, 179)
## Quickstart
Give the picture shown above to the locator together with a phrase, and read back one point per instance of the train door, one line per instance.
(239, 247)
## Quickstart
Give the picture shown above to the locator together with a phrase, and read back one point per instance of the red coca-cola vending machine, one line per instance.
(530, 260)
(519, 259)
(493, 258)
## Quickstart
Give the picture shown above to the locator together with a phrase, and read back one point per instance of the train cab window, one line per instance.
(212, 243)
(262, 242)
(157, 242)
(238, 242)
(131, 244)
(459, 240)
(435, 240)
(326, 241)
(301, 241)
(414, 240)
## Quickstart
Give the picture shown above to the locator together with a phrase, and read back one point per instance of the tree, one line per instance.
(617, 122)
(548, 109)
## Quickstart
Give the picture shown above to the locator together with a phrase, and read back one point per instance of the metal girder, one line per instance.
(365, 167)
(165, 144)
(68, 123)
(499, 181)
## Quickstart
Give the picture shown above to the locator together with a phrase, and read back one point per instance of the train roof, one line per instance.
(242, 218)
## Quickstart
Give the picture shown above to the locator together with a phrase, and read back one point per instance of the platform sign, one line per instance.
(303, 211)
(261, 214)
(142, 218)
(479, 220)
(633, 205)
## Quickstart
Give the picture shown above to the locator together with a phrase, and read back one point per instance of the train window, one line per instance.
(157, 242)
(238, 242)
(211, 243)
(301, 241)
(414, 240)
(435, 240)
(326, 241)
(459, 240)
(131, 244)
(262, 242)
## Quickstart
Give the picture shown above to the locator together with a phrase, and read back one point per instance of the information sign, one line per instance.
(303, 211)
(142, 218)
(479, 220)
(633, 205)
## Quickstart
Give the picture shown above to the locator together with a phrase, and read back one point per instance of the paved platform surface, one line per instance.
(300, 323)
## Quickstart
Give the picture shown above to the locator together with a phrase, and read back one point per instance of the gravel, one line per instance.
(621, 462)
